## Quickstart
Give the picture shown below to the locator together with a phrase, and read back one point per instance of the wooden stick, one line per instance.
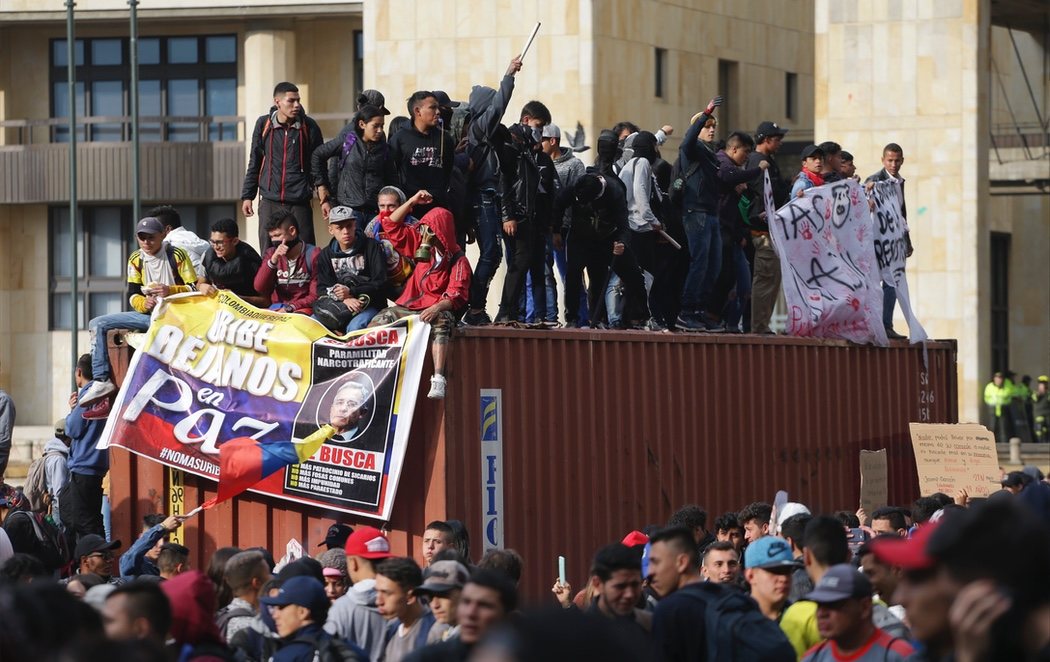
(529, 43)
(670, 239)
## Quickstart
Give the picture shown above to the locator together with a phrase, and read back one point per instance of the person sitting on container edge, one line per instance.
(351, 273)
(288, 274)
(177, 235)
(440, 283)
(230, 264)
(155, 270)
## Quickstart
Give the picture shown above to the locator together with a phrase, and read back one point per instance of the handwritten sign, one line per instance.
(827, 257)
(874, 485)
(950, 458)
(891, 247)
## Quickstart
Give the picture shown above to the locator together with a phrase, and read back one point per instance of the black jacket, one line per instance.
(527, 185)
(424, 162)
(755, 190)
(363, 269)
(364, 171)
(729, 176)
(236, 274)
(279, 162)
(701, 188)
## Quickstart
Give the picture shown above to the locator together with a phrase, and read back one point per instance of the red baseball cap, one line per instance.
(368, 542)
(906, 553)
(635, 538)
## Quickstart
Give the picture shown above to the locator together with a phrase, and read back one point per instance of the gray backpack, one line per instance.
(35, 488)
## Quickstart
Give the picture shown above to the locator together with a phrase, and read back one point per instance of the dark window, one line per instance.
(727, 87)
(359, 63)
(790, 96)
(105, 239)
(1000, 308)
(178, 77)
(660, 62)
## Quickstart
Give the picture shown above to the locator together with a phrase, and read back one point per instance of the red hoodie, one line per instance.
(431, 282)
(192, 597)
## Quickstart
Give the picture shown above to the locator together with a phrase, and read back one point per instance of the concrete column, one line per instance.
(917, 74)
(269, 58)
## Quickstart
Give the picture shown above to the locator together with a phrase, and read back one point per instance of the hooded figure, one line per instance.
(193, 628)
(446, 275)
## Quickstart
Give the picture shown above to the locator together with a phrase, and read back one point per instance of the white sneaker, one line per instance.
(437, 387)
(97, 391)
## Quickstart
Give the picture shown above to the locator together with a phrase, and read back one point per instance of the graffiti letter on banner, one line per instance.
(827, 258)
(891, 244)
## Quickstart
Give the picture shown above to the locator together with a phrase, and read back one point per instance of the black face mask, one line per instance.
(608, 148)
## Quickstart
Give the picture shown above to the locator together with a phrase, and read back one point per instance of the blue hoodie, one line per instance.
(84, 458)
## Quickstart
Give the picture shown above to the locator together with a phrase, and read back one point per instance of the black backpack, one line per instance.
(331, 649)
(35, 534)
(227, 614)
(737, 629)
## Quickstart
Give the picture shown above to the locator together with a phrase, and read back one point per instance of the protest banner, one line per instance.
(827, 257)
(950, 458)
(214, 370)
(891, 247)
(874, 484)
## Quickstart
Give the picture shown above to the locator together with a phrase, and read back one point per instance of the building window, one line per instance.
(728, 86)
(1000, 300)
(359, 62)
(184, 77)
(660, 62)
(105, 239)
(790, 96)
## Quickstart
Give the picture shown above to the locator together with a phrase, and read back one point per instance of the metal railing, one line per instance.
(152, 128)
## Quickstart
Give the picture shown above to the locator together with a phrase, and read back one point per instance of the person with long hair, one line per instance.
(363, 164)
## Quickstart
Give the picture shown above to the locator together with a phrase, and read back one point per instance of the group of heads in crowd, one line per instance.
(930, 581)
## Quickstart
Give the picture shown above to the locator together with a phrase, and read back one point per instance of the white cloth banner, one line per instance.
(825, 241)
(890, 249)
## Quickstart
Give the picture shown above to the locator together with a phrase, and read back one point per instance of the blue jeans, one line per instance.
(889, 301)
(704, 236)
(361, 320)
(99, 327)
(614, 300)
(487, 212)
(551, 286)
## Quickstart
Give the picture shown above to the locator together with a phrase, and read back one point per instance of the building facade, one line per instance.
(207, 69)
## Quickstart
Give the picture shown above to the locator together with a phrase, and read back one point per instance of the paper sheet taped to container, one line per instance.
(950, 458)
(874, 485)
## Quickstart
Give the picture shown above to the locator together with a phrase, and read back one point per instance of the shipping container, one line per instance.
(590, 434)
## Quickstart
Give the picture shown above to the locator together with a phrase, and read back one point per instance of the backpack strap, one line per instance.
(348, 144)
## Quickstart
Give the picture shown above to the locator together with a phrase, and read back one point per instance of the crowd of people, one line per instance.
(1016, 409)
(945, 579)
(640, 242)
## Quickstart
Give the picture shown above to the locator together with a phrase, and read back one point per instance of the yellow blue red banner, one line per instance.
(271, 402)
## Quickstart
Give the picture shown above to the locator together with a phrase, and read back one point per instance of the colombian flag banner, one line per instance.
(271, 402)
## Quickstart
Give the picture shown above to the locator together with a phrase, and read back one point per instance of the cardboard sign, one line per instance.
(874, 484)
(950, 458)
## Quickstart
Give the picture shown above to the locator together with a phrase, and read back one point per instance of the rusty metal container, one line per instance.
(605, 432)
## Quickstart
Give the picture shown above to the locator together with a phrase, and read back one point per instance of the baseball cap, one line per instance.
(368, 542)
(60, 427)
(341, 214)
(444, 100)
(443, 576)
(907, 553)
(373, 98)
(303, 591)
(790, 509)
(811, 150)
(92, 543)
(551, 131)
(769, 552)
(1015, 479)
(768, 129)
(336, 536)
(149, 225)
(1044, 378)
(840, 582)
(635, 538)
